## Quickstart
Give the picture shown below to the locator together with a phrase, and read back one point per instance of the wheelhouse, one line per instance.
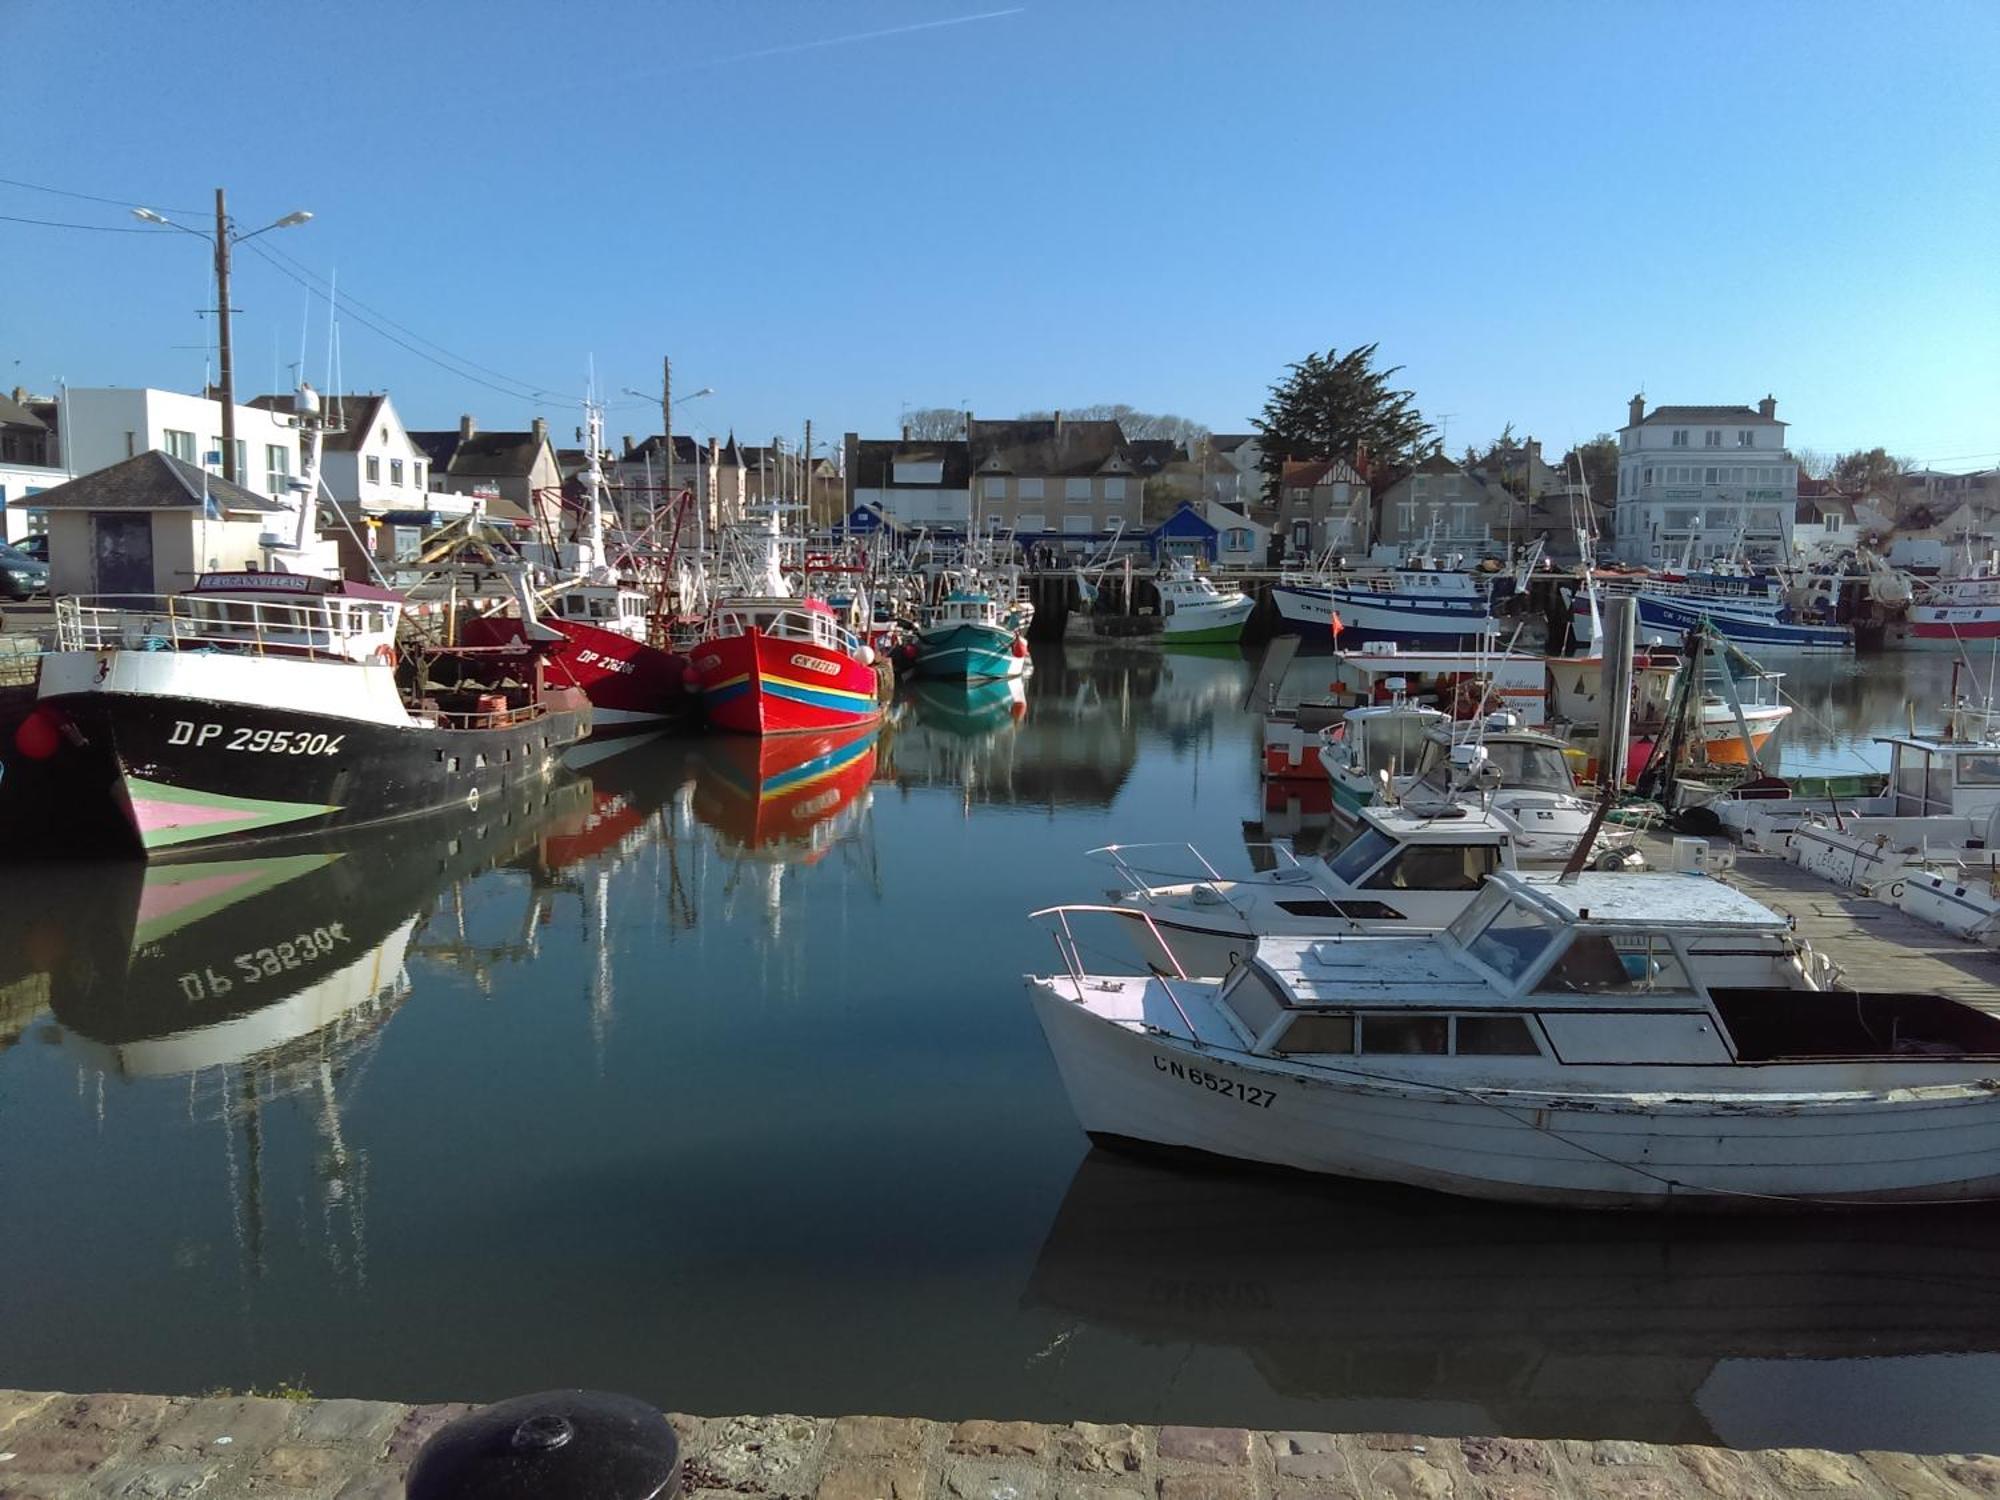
(1608, 971)
(806, 621)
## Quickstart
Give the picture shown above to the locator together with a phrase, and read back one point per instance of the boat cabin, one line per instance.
(1387, 739)
(966, 607)
(1398, 852)
(810, 621)
(1941, 777)
(1604, 970)
(622, 611)
(288, 614)
(1522, 758)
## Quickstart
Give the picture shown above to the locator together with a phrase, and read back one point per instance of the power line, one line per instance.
(350, 301)
(36, 187)
(99, 228)
(532, 395)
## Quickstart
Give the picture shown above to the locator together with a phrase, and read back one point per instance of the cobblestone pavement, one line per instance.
(56, 1447)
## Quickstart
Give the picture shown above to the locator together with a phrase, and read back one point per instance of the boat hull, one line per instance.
(970, 652)
(1947, 627)
(1218, 624)
(633, 687)
(1675, 616)
(155, 777)
(759, 684)
(1595, 1151)
(1367, 615)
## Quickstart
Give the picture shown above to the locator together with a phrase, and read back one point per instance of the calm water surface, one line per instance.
(729, 1098)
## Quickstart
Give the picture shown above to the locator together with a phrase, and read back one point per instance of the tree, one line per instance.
(934, 423)
(1135, 424)
(1870, 474)
(1598, 459)
(1336, 405)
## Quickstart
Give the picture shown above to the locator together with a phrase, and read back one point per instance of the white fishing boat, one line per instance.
(1611, 1041)
(1195, 610)
(1403, 872)
(1368, 748)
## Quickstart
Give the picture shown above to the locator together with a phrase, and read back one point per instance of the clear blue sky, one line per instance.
(1536, 208)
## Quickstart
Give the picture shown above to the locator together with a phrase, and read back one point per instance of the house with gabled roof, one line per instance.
(149, 524)
(517, 474)
(367, 459)
(1323, 506)
(1444, 506)
(1044, 478)
(909, 483)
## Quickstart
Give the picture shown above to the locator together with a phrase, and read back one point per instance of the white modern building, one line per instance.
(1701, 482)
(367, 460)
(99, 427)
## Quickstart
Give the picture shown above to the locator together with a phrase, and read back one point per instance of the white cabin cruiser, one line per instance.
(1611, 1041)
(1364, 751)
(1525, 778)
(1403, 872)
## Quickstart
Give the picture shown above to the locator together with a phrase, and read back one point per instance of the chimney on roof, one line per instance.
(1638, 413)
(1058, 417)
(466, 427)
(1534, 446)
(906, 432)
(540, 428)
(627, 441)
(1768, 407)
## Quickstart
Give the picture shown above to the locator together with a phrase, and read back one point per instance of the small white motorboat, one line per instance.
(1615, 1041)
(1403, 872)
(1525, 777)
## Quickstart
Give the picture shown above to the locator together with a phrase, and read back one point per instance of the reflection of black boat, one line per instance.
(215, 961)
(1428, 1314)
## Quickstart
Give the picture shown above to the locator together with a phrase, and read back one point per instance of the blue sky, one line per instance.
(1536, 209)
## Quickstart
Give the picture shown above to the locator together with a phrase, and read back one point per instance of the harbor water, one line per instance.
(705, 1074)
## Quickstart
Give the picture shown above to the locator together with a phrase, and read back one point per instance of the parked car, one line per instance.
(21, 576)
(36, 546)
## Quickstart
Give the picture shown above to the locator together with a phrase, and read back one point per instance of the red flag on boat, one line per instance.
(1334, 621)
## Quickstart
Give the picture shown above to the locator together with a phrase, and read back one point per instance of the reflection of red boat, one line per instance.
(632, 686)
(784, 666)
(774, 794)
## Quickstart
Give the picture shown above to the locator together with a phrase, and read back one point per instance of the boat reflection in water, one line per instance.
(1414, 1312)
(258, 979)
(779, 801)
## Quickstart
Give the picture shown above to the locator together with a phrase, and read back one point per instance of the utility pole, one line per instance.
(222, 340)
(667, 423)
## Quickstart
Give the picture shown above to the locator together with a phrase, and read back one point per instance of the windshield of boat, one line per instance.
(1359, 857)
(1509, 940)
(1524, 763)
(1392, 741)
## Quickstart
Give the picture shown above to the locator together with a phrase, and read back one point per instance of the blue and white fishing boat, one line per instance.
(967, 638)
(1420, 604)
(1750, 609)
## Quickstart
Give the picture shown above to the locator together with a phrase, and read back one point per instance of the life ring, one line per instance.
(386, 654)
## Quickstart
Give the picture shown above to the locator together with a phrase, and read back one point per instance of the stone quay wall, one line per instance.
(121, 1447)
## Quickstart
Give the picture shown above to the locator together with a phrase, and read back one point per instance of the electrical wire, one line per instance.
(531, 395)
(350, 301)
(36, 187)
(99, 228)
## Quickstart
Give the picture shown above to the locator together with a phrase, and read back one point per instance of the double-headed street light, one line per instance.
(221, 240)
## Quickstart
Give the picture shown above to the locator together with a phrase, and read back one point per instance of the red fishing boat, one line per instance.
(783, 666)
(633, 685)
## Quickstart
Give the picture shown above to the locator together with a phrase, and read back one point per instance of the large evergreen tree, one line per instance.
(1336, 405)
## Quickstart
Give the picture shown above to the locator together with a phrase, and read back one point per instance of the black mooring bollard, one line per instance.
(556, 1445)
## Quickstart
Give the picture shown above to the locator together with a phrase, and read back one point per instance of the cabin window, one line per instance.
(1359, 857)
(1317, 1033)
(1512, 942)
(1437, 867)
(1979, 770)
(1406, 1035)
(1495, 1036)
(1597, 965)
(1254, 1000)
(1529, 765)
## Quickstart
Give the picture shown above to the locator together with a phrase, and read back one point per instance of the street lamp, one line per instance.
(221, 240)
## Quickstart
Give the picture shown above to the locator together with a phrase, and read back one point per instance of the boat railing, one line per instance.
(1072, 958)
(193, 622)
(1141, 877)
(790, 625)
